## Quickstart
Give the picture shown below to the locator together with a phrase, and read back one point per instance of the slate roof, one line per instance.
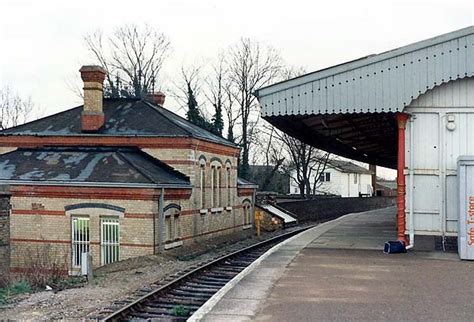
(347, 167)
(123, 117)
(390, 184)
(242, 183)
(124, 166)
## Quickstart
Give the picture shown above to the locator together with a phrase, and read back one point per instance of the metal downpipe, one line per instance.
(411, 183)
(161, 221)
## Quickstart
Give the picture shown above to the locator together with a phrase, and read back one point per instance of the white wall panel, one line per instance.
(435, 180)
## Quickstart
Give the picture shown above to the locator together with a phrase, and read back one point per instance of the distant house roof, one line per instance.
(242, 183)
(390, 184)
(123, 117)
(264, 168)
(347, 167)
(85, 165)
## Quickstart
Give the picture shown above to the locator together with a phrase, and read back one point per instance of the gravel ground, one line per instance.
(120, 280)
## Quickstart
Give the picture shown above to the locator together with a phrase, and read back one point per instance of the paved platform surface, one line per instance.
(337, 272)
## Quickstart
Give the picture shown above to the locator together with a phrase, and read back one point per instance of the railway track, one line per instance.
(178, 299)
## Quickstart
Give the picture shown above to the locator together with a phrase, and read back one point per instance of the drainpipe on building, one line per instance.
(442, 169)
(411, 182)
(161, 221)
(401, 186)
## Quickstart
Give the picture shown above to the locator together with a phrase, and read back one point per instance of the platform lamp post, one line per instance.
(401, 186)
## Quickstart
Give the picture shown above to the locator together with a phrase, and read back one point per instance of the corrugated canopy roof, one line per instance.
(349, 109)
(377, 83)
(79, 165)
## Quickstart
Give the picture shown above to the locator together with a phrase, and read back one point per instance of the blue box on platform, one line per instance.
(394, 247)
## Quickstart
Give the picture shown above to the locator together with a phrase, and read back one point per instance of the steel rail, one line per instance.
(123, 312)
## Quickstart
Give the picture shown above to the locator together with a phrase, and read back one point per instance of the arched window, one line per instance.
(215, 184)
(228, 168)
(172, 224)
(109, 217)
(202, 182)
(247, 213)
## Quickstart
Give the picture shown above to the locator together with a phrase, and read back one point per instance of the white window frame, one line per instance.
(168, 228)
(106, 224)
(173, 230)
(217, 202)
(79, 241)
(202, 173)
(247, 215)
(97, 211)
(327, 177)
(322, 177)
(176, 226)
(229, 192)
(215, 187)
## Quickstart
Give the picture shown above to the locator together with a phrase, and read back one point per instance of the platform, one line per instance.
(337, 271)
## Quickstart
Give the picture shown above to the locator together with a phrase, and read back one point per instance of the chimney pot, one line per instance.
(158, 98)
(92, 73)
(92, 117)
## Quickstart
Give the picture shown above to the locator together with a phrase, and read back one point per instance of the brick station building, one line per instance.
(119, 178)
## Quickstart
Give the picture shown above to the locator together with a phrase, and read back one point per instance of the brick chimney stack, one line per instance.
(92, 117)
(158, 98)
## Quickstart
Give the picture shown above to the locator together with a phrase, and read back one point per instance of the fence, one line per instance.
(329, 208)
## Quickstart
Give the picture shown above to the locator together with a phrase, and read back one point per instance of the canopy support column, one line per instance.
(401, 186)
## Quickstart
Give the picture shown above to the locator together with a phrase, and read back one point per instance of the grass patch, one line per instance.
(69, 282)
(180, 311)
(187, 258)
(15, 288)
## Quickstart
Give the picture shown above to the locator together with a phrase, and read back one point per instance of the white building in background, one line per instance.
(342, 178)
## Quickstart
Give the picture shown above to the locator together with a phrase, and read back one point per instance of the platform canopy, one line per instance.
(349, 109)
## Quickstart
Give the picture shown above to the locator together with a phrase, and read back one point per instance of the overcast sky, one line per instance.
(41, 42)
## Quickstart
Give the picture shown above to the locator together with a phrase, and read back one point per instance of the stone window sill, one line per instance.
(173, 244)
(228, 208)
(203, 211)
(219, 209)
(247, 226)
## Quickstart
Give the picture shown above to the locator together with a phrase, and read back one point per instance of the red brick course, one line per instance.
(98, 193)
(141, 142)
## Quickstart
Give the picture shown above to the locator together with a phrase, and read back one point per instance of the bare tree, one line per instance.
(306, 161)
(273, 156)
(14, 109)
(132, 55)
(250, 66)
(289, 72)
(270, 148)
(231, 114)
(216, 94)
(187, 92)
